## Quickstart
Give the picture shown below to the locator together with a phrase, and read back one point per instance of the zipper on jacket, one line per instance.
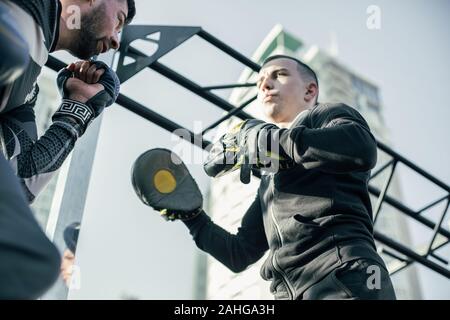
(289, 287)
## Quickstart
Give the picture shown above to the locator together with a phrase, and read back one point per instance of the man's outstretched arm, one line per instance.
(235, 251)
(334, 138)
(162, 181)
(339, 141)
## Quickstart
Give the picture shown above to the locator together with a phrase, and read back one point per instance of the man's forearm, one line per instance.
(342, 148)
(39, 161)
(236, 252)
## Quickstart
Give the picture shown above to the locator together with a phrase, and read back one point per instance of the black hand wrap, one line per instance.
(77, 116)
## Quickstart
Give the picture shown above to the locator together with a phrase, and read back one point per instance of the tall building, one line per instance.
(229, 199)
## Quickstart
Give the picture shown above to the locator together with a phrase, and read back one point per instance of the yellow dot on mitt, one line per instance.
(164, 181)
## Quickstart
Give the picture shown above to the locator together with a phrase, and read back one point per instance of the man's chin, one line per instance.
(82, 55)
(271, 110)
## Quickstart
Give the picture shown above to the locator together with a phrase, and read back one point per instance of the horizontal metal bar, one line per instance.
(393, 255)
(229, 115)
(433, 203)
(411, 254)
(229, 50)
(186, 83)
(396, 204)
(408, 163)
(55, 64)
(379, 170)
(230, 86)
(434, 255)
(161, 121)
(399, 266)
(191, 86)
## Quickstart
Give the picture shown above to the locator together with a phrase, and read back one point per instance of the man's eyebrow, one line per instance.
(279, 69)
(124, 16)
(272, 72)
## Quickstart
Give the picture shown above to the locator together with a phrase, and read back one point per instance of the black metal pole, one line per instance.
(161, 121)
(411, 254)
(195, 88)
(410, 261)
(430, 224)
(383, 194)
(229, 115)
(55, 64)
(229, 50)
(436, 228)
(192, 86)
(433, 204)
(381, 169)
(230, 86)
(408, 163)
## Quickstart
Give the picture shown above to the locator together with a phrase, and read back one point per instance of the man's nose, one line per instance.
(266, 85)
(115, 42)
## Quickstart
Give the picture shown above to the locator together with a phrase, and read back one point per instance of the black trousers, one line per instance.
(361, 279)
(29, 262)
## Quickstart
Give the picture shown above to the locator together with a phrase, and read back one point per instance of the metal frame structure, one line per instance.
(167, 38)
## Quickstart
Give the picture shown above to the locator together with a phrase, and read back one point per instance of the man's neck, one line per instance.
(284, 125)
(61, 44)
(288, 124)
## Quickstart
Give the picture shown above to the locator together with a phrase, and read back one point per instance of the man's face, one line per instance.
(281, 90)
(67, 266)
(101, 23)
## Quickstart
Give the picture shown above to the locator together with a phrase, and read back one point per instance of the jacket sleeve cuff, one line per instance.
(194, 225)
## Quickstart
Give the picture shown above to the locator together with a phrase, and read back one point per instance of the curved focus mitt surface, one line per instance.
(162, 181)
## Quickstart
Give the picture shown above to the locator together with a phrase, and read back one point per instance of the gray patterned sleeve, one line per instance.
(35, 161)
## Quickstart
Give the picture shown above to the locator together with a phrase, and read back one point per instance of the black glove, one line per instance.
(78, 114)
(252, 144)
(162, 181)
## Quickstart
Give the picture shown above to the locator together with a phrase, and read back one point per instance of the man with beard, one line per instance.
(29, 31)
(84, 28)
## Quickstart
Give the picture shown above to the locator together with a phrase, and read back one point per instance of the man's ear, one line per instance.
(311, 91)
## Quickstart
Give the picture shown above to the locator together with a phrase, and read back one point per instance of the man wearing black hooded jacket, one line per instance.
(313, 215)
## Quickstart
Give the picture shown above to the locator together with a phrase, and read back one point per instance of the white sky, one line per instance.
(126, 249)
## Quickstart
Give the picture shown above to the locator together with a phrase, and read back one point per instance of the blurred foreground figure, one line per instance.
(71, 234)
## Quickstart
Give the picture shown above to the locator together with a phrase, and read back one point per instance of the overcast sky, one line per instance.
(126, 249)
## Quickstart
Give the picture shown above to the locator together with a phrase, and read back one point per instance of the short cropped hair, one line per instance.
(305, 71)
(131, 11)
